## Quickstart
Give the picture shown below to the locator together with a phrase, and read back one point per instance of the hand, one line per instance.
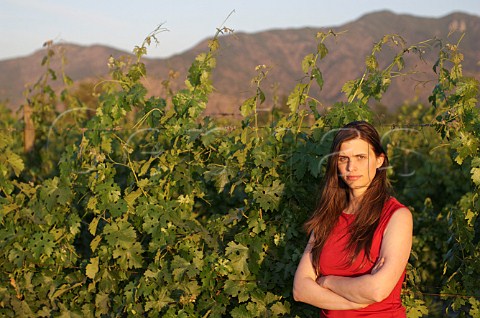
(378, 265)
(321, 281)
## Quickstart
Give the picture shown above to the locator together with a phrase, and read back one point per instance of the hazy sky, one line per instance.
(26, 24)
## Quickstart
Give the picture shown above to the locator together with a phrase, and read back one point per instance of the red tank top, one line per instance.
(333, 262)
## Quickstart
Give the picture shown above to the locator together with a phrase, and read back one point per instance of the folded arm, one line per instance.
(394, 254)
(307, 290)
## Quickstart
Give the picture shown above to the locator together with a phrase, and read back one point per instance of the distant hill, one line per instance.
(283, 51)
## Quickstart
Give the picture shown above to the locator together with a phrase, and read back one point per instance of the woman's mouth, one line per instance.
(353, 178)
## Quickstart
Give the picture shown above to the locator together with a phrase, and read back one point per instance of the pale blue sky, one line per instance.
(26, 24)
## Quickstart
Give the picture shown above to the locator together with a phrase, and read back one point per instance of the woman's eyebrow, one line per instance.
(354, 155)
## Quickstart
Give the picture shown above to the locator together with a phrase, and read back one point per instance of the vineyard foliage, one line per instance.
(145, 207)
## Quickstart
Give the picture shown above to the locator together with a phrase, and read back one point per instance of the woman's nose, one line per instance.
(350, 165)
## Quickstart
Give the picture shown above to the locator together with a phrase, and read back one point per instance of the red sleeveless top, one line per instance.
(333, 262)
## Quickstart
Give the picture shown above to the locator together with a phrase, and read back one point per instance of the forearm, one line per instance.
(309, 291)
(362, 289)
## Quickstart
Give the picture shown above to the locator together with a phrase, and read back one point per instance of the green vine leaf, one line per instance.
(238, 256)
(269, 197)
(92, 268)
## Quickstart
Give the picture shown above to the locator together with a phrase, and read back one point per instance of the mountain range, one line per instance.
(282, 51)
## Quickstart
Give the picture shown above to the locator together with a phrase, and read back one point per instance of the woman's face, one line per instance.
(357, 164)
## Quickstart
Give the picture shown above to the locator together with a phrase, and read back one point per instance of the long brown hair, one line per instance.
(335, 197)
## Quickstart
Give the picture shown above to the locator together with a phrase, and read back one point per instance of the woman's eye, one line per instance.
(342, 159)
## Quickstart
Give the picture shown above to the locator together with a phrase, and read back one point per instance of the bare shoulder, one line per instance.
(402, 217)
(402, 213)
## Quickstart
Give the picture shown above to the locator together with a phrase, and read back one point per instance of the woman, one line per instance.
(360, 236)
